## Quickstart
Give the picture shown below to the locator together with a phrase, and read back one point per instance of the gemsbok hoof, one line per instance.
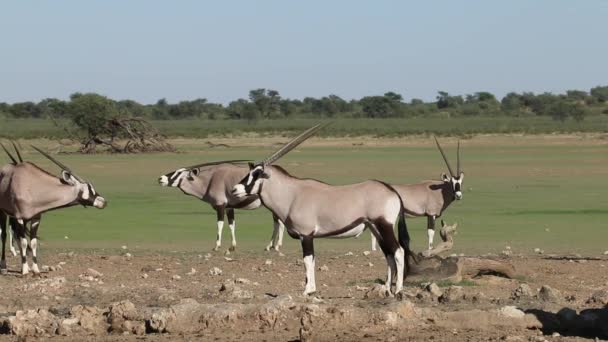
(232, 248)
(216, 248)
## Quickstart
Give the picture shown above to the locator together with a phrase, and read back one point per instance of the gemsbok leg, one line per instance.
(395, 255)
(20, 233)
(308, 254)
(35, 223)
(220, 226)
(430, 229)
(277, 234)
(3, 228)
(232, 225)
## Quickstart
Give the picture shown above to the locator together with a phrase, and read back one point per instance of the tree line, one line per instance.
(86, 109)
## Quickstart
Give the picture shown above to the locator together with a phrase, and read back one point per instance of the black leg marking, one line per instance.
(308, 249)
(230, 216)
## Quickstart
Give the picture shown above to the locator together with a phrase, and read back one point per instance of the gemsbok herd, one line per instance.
(306, 208)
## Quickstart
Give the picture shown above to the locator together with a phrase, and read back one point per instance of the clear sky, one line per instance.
(219, 50)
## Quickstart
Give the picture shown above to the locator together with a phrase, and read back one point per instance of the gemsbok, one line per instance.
(27, 192)
(430, 198)
(212, 183)
(312, 209)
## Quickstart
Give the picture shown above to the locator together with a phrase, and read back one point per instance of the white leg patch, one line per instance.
(233, 234)
(23, 249)
(431, 234)
(309, 264)
(10, 242)
(279, 241)
(34, 247)
(374, 242)
(275, 233)
(218, 241)
(400, 261)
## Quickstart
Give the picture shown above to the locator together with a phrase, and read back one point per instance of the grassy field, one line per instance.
(462, 126)
(526, 192)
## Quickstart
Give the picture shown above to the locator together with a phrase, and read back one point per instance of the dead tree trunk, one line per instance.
(432, 267)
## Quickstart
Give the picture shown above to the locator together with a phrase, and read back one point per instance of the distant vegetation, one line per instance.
(265, 111)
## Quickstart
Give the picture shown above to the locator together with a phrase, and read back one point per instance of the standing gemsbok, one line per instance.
(430, 198)
(3, 224)
(212, 183)
(27, 191)
(312, 209)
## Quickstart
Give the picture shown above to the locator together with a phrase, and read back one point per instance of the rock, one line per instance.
(274, 313)
(324, 268)
(349, 254)
(124, 318)
(452, 294)
(538, 251)
(145, 276)
(123, 247)
(128, 255)
(45, 268)
(366, 253)
(377, 291)
(242, 281)
(37, 323)
(434, 290)
(45, 284)
(548, 294)
(522, 291)
(512, 312)
(606, 253)
(230, 289)
(91, 319)
(598, 297)
(370, 264)
(268, 262)
(192, 272)
(93, 273)
(215, 271)
(176, 277)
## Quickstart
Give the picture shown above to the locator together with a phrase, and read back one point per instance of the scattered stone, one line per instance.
(228, 259)
(45, 284)
(230, 289)
(124, 247)
(215, 271)
(158, 270)
(145, 276)
(370, 264)
(45, 268)
(54, 268)
(522, 291)
(91, 319)
(242, 281)
(349, 254)
(377, 291)
(366, 253)
(93, 273)
(606, 253)
(37, 323)
(192, 271)
(128, 255)
(176, 277)
(598, 297)
(268, 262)
(548, 294)
(71, 254)
(324, 268)
(538, 251)
(434, 290)
(124, 318)
(361, 288)
(227, 252)
(512, 312)
(452, 294)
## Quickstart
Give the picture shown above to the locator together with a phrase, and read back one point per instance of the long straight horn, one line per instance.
(447, 163)
(17, 150)
(58, 163)
(293, 144)
(236, 161)
(9, 154)
(458, 158)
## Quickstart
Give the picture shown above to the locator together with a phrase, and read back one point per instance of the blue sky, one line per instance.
(219, 50)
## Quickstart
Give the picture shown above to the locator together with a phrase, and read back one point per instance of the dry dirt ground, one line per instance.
(127, 295)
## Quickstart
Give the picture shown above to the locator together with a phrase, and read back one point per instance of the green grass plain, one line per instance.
(344, 127)
(545, 191)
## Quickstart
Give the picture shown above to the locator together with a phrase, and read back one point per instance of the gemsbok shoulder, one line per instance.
(27, 192)
(432, 197)
(312, 209)
(212, 183)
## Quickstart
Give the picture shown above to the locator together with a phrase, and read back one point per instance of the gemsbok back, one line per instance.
(430, 198)
(27, 192)
(212, 183)
(312, 209)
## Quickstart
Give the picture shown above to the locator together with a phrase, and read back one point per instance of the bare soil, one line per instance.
(341, 310)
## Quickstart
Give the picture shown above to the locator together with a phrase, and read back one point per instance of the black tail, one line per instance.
(403, 234)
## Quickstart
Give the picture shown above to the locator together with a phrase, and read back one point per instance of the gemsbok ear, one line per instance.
(444, 177)
(461, 176)
(67, 177)
(251, 166)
